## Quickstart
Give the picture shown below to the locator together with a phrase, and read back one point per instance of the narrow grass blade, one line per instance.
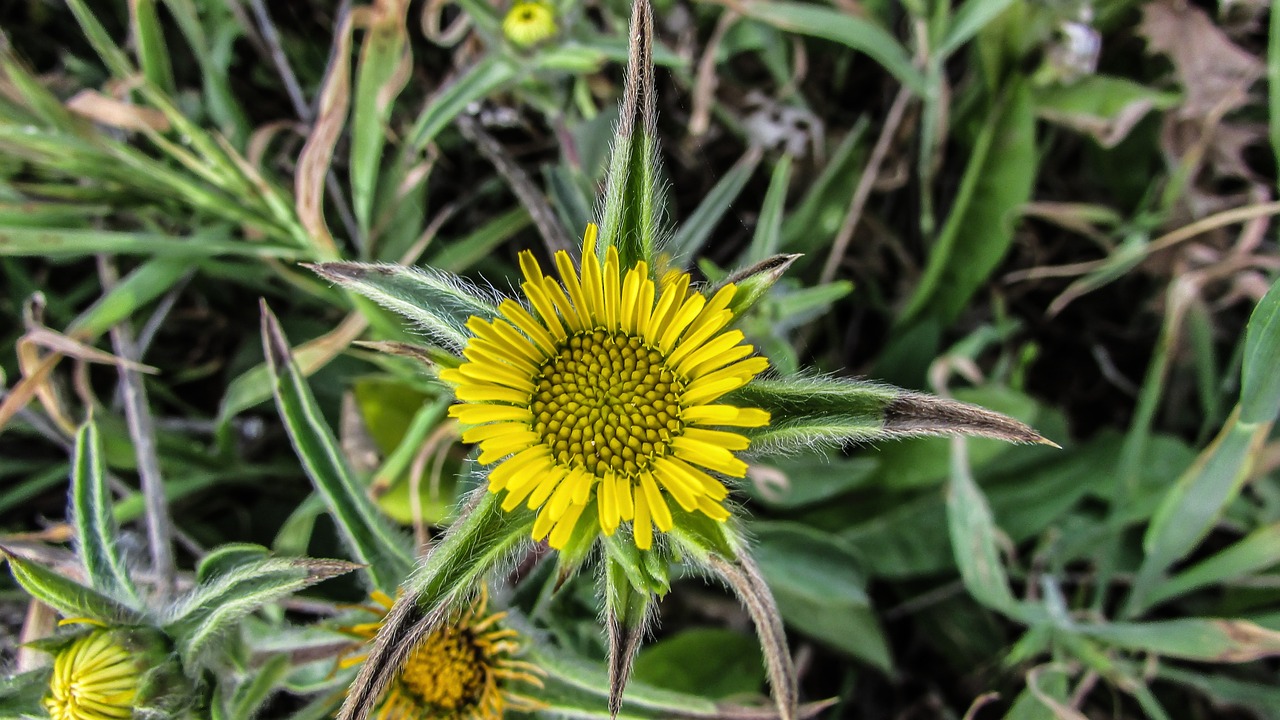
(694, 232)
(1198, 639)
(16, 241)
(145, 283)
(479, 81)
(370, 537)
(1194, 505)
(1257, 551)
(768, 235)
(96, 531)
(148, 37)
(381, 74)
(997, 181)
(970, 18)
(839, 26)
(1260, 383)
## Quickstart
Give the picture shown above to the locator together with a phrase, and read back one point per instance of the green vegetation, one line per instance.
(1061, 212)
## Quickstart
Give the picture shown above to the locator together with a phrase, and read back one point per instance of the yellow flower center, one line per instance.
(448, 671)
(607, 401)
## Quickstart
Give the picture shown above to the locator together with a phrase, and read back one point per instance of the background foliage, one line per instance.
(1059, 210)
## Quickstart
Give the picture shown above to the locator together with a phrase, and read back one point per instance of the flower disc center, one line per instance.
(607, 401)
(447, 671)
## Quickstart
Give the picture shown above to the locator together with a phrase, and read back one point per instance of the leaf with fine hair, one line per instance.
(740, 572)
(69, 598)
(208, 614)
(808, 411)
(96, 531)
(479, 540)
(628, 612)
(439, 302)
(370, 538)
(630, 207)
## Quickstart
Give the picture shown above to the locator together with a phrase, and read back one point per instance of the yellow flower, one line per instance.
(529, 23)
(461, 671)
(94, 678)
(607, 396)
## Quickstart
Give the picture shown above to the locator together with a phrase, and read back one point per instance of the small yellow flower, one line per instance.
(529, 23)
(462, 671)
(94, 678)
(607, 396)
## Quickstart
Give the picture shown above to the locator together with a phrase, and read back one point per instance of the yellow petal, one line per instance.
(564, 527)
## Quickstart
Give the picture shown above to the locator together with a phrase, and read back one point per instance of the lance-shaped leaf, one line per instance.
(439, 302)
(628, 611)
(209, 613)
(480, 539)
(96, 530)
(69, 598)
(719, 548)
(807, 411)
(370, 538)
(630, 220)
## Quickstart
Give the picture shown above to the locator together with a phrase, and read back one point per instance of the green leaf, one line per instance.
(439, 302)
(813, 223)
(819, 590)
(1195, 503)
(1104, 106)
(973, 537)
(96, 532)
(145, 283)
(1257, 551)
(49, 242)
(479, 81)
(1198, 639)
(629, 208)
(768, 235)
(69, 598)
(148, 37)
(628, 609)
(809, 411)
(381, 74)
(697, 228)
(972, 16)
(1223, 690)
(997, 181)
(1260, 383)
(708, 662)
(839, 26)
(203, 618)
(368, 535)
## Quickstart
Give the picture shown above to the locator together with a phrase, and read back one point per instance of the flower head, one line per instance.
(529, 23)
(607, 396)
(94, 678)
(462, 670)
